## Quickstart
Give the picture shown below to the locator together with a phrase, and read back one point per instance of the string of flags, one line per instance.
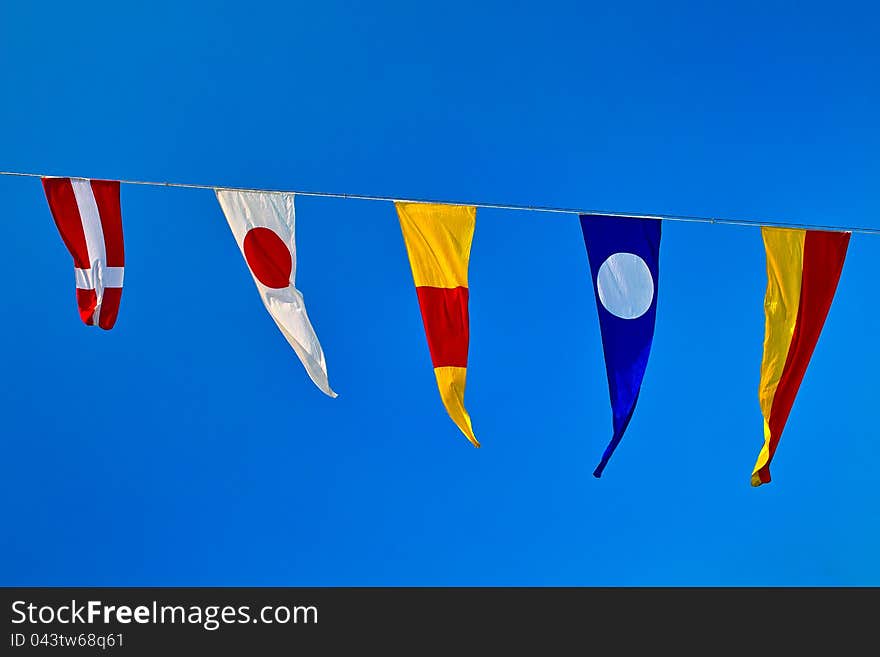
(623, 252)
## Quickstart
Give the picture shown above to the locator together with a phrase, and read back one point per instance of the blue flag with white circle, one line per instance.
(624, 255)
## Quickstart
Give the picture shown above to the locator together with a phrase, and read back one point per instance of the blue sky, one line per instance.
(188, 447)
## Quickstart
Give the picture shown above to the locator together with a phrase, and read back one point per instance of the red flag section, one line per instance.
(89, 217)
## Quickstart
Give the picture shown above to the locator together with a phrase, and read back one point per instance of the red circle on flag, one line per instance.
(268, 257)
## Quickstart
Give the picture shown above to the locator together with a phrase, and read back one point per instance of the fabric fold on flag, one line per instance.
(438, 242)
(88, 215)
(624, 256)
(263, 224)
(803, 269)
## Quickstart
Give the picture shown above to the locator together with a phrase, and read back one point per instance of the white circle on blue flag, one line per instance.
(625, 285)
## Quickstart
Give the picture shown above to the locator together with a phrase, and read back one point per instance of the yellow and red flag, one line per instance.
(438, 241)
(803, 268)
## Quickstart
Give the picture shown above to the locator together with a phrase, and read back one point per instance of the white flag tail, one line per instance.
(263, 224)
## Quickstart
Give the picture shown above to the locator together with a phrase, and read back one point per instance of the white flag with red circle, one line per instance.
(264, 227)
(89, 217)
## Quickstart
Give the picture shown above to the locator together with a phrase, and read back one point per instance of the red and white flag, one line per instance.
(264, 226)
(89, 218)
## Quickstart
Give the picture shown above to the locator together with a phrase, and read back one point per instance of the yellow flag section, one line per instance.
(438, 242)
(803, 268)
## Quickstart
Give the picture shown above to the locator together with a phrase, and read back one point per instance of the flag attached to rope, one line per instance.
(624, 255)
(263, 224)
(89, 217)
(438, 242)
(803, 268)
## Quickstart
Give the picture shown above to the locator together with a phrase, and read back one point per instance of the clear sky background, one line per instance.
(188, 446)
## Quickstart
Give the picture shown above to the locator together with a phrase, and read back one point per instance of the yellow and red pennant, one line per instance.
(803, 268)
(438, 241)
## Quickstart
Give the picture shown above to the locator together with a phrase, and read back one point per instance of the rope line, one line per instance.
(491, 206)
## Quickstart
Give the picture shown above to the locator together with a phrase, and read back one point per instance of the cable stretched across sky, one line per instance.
(864, 230)
(803, 269)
